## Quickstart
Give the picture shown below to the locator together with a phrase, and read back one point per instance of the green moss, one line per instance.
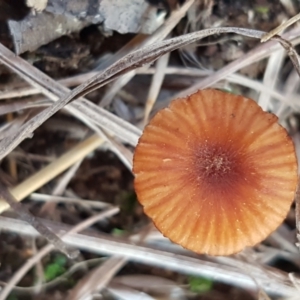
(12, 296)
(129, 202)
(199, 284)
(118, 232)
(56, 268)
(262, 9)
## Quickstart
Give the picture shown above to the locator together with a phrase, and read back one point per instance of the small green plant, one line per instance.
(199, 284)
(56, 268)
(129, 202)
(118, 232)
(12, 296)
(262, 9)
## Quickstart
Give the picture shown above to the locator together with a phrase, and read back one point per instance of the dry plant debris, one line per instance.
(215, 51)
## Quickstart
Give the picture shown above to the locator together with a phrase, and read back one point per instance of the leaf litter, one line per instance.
(114, 134)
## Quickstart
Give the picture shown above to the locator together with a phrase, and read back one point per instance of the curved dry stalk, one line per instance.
(25, 215)
(46, 249)
(292, 53)
(62, 278)
(30, 91)
(280, 28)
(274, 282)
(130, 62)
(97, 279)
(60, 188)
(92, 116)
(233, 78)
(259, 52)
(142, 41)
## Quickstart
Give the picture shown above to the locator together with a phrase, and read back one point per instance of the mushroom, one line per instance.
(215, 172)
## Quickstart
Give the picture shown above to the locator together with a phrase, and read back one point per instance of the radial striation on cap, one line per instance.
(215, 172)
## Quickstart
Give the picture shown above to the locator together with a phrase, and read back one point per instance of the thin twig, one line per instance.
(58, 166)
(130, 62)
(259, 52)
(83, 202)
(156, 84)
(281, 27)
(292, 53)
(277, 283)
(97, 279)
(91, 115)
(59, 189)
(46, 249)
(270, 77)
(25, 215)
(160, 34)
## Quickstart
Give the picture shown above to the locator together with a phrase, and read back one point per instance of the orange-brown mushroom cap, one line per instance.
(215, 172)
